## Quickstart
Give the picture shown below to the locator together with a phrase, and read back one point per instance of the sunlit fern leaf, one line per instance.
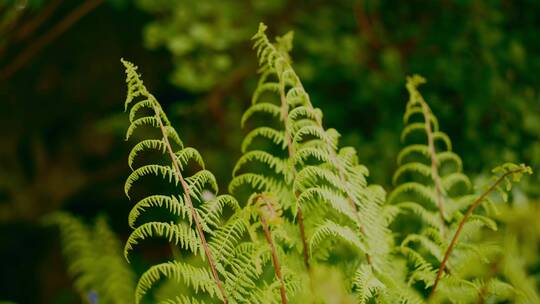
(148, 144)
(263, 107)
(432, 247)
(334, 230)
(261, 88)
(245, 266)
(256, 181)
(147, 120)
(312, 176)
(423, 270)
(225, 239)
(178, 234)
(429, 217)
(157, 170)
(274, 163)
(328, 196)
(420, 190)
(175, 205)
(366, 284)
(187, 154)
(213, 209)
(311, 152)
(413, 167)
(277, 137)
(199, 278)
(198, 181)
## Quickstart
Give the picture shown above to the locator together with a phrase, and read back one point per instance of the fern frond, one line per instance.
(277, 137)
(177, 234)
(157, 170)
(94, 258)
(263, 107)
(175, 205)
(225, 239)
(198, 181)
(187, 154)
(366, 284)
(147, 144)
(274, 163)
(261, 88)
(196, 277)
(311, 196)
(332, 229)
(213, 208)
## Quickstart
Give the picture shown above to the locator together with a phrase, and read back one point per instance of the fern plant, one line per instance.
(234, 258)
(307, 213)
(322, 188)
(94, 260)
(429, 183)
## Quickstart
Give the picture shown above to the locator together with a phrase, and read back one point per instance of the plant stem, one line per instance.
(303, 236)
(284, 113)
(467, 214)
(290, 150)
(275, 260)
(187, 196)
(434, 163)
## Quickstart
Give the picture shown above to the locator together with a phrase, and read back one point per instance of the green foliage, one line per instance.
(430, 185)
(355, 54)
(94, 260)
(216, 257)
(307, 212)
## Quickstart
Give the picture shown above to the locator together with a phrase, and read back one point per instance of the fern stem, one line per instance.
(275, 260)
(290, 150)
(187, 195)
(303, 236)
(332, 152)
(434, 164)
(467, 214)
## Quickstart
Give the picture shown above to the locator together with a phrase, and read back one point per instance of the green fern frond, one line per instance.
(194, 223)
(157, 170)
(263, 107)
(274, 163)
(178, 234)
(198, 278)
(95, 259)
(366, 284)
(277, 137)
(332, 229)
(174, 205)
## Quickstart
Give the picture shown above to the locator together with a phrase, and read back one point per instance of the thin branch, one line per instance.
(30, 27)
(275, 260)
(26, 55)
(466, 216)
(187, 195)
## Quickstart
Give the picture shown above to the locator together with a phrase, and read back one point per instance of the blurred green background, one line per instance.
(62, 90)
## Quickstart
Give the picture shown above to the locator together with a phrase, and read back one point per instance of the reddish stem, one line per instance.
(194, 215)
(468, 213)
(275, 260)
